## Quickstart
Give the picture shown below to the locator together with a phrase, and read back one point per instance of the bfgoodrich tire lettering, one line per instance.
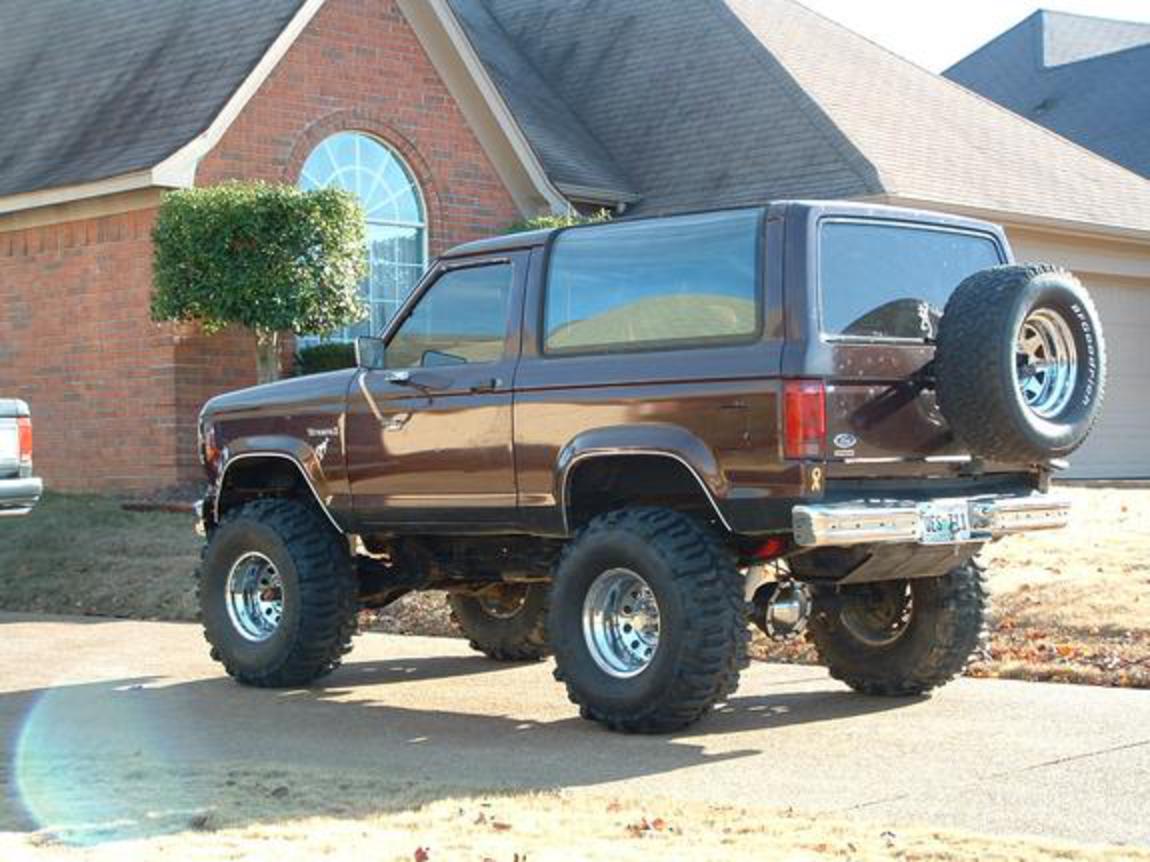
(702, 620)
(319, 595)
(977, 363)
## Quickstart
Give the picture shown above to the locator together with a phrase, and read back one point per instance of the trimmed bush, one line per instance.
(318, 358)
(271, 258)
(546, 222)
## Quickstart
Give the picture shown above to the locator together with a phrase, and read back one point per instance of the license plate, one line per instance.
(945, 523)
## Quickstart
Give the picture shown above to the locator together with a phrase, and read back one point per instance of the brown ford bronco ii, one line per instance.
(619, 442)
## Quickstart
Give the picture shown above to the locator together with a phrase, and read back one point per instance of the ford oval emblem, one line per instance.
(845, 441)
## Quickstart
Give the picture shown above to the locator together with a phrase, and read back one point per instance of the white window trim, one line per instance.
(305, 340)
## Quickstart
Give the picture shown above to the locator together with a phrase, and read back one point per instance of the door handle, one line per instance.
(488, 385)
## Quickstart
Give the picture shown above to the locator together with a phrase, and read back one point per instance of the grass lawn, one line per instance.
(79, 554)
(1070, 605)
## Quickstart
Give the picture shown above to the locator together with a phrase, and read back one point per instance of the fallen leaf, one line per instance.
(422, 854)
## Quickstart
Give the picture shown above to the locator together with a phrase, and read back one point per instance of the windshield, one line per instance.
(887, 280)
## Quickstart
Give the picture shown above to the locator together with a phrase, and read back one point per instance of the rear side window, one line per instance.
(649, 285)
(893, 281)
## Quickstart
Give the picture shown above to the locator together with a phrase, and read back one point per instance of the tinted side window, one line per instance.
(652, 284)
(885, 280)
(462, 318)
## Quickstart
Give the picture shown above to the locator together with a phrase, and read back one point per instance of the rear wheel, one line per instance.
(901, 637)
(278, 595)
(647, 621)
(507, 622)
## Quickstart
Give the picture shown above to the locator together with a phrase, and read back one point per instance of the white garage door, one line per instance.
(1119, 447)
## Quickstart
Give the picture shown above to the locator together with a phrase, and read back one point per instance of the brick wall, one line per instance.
(76, 343)
(359, 66)
(114, 395)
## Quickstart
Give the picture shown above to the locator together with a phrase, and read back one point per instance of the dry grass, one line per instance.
(79, 554)
(1071, 605)
(296, 814)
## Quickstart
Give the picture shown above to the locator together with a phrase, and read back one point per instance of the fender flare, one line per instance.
(300, 455)
(656, 440)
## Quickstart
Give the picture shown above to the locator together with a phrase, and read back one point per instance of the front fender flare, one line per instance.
(300, 454)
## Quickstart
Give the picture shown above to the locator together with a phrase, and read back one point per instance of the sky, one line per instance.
(938, 33)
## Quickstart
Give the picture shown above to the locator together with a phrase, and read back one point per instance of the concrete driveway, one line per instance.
(79, 696)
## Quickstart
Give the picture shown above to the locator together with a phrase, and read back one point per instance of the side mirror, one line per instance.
(370, 353)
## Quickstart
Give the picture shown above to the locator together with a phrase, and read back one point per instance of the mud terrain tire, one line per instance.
(702, 625)
(979, 363)
(319, 594)
(945, 626)
(520, 635)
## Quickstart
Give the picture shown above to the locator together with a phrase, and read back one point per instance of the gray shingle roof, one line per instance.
(717, 102)
(96, 89)
(569, 153)
(1071, 38)
(684, 100)
(1088, 79)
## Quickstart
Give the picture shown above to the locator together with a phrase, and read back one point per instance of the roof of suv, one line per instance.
(859, 209)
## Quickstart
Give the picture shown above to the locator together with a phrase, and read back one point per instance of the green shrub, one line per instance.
(318, 358)
(271, 258)
(546, 222)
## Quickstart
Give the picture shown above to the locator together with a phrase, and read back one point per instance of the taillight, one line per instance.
(24, 430)
(805, 418)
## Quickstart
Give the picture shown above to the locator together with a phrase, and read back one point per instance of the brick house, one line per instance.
(452, 118)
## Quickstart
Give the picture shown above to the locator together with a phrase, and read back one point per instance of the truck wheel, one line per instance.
(506, 623)
(278, 594)
(901, 637)
(1020, 364)
(647, 621)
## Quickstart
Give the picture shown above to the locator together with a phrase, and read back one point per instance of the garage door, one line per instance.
(1119, 447)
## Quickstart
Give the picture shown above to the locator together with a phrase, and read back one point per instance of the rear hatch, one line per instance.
(882, 287)
(10, 437)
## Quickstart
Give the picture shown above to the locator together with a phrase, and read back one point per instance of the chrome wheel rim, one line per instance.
(878, 614)
(621, 623)
(1046, 363)
(503, 603)
(255, 597)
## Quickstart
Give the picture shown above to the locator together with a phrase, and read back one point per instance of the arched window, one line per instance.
(396, 219)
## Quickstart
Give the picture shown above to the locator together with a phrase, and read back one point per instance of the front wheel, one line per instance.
(278, 594)
(901, 637)
(647, 621)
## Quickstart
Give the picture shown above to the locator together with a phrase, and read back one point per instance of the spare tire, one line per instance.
(1020, 364)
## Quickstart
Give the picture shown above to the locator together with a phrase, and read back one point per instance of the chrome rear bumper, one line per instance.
(861, 522)
(19, 496)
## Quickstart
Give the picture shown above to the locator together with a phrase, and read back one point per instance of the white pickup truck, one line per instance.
(19, 489)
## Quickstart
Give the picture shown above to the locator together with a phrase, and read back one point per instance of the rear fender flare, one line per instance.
(664, 441)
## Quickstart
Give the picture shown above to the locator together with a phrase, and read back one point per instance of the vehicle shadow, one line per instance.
(133, 757)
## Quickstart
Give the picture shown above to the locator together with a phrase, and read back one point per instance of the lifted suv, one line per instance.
(618, 442)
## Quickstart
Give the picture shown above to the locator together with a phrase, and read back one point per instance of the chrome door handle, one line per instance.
(488, 385)
(399, 377)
